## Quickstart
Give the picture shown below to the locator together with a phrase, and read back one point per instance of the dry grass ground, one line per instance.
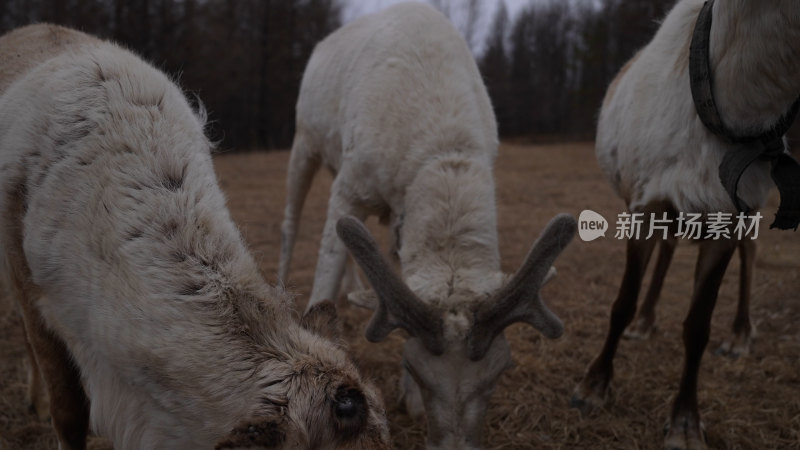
(752, 402)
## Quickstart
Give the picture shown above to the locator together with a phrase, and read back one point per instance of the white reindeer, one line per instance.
(662, 158)
(394, 106)
(143, 310)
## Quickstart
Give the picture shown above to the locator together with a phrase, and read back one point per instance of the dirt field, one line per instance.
(752, 402)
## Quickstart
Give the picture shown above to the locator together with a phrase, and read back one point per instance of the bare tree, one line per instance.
(465, 15)
(495, 68)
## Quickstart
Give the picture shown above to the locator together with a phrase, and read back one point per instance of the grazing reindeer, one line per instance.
(143, 310)
(394, 106)
(661, 154)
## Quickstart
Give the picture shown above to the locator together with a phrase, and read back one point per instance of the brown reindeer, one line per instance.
(663, 155)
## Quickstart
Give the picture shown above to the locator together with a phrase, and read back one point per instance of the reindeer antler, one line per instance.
(398, 306)
(519, 299)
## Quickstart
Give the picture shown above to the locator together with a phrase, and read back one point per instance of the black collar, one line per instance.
(768, 145)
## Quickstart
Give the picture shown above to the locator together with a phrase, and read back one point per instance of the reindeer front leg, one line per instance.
(644, 324)
(591, 391)
(743, 329)
(685, 427)
(332, 252)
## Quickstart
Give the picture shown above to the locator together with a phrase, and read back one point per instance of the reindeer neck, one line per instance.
(449, 231)
(755, 61)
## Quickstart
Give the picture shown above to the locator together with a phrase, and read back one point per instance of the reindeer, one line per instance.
(393, 104)
(662, 153)
(144, 313)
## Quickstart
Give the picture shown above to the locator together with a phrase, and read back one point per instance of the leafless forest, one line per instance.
(546, 68)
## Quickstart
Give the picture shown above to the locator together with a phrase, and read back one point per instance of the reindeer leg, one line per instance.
(303, 165)
(332, 252)
(37, 390)
(351, 282)
(69, 407)
(643, 326)
(591, 391)
(743, 329)
(50, 362)
(685, 428)
(411, 395)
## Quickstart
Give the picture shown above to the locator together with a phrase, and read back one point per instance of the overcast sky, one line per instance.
(356, 8)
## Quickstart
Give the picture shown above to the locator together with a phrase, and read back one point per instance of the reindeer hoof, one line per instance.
(683, 434)
(640, 330)
(736, 347)
(42, 412)
(414, 408)
(588, 396)
(582, 405)
(38, 402)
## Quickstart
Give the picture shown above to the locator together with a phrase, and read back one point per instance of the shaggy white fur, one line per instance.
(393, 104)
(651, 143)
(116, 232)
(382, 100)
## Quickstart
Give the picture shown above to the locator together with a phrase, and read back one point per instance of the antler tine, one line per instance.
(519, 299)
(397, 306)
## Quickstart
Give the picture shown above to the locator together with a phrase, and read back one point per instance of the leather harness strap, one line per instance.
(768, 146)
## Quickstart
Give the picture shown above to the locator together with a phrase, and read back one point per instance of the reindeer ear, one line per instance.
(255, 434)
(397, 306)
(322, 319)
(519, 300)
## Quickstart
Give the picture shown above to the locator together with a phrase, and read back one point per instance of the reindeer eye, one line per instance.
(350, 408)
(346, 407)
(348, 402)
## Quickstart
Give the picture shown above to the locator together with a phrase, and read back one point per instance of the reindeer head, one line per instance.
(315, 399)
(456, 353)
